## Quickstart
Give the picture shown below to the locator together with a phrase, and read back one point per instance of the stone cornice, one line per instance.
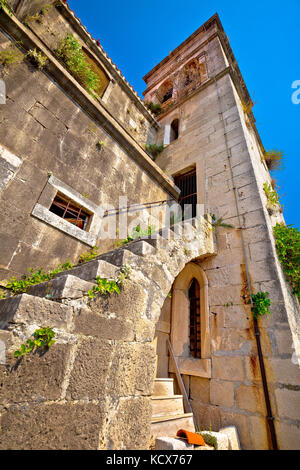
(18, 32)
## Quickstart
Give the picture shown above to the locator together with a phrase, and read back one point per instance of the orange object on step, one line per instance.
(191, 437)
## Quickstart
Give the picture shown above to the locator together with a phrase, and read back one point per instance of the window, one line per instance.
(103, 78)
(168, 95)
(187, 183)
(195, 319)
(174, 130)
(165, 92)
(70, 211)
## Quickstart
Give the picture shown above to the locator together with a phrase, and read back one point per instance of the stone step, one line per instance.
(60, 288)
(91, 270)
(28, 309)
(166, 233)
(120, 256)
(167, 405)
(163, 387)
(157, 241)
(140, 248)
(169, 425)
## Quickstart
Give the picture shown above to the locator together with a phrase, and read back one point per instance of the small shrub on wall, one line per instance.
(70, 52)
(287, 241)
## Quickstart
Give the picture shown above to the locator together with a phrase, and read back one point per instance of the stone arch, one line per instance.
(165, 91)
(190, 77)
(174, 133)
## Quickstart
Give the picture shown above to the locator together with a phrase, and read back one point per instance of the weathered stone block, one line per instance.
(222, 393)
(141, 248)
(90, 371)
(28, 309)
(251, 398)
(200, 389)
(91, 270)
(64, 287)
(129, 305)
(207, 416)
(91, 323)
(240, 421)
(35, 377)
(228, 368)
(56, 426)
(288, 403)
(132, 370)
(231, 432)
(283, 371)
(284, 341)
(288, 435)
(130, 427)
(170, 443)
(259, 433)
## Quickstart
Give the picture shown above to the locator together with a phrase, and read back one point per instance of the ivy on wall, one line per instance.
(287, 241)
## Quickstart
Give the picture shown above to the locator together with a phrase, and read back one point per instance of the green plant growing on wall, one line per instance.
(104, 287)
(154, 150)
(272, 196)
(155, 108)
(107, 287)
(35, 277)
(274, 159)
(219, 222)
(11, 56)
(4, 5)
(248, 106)
(137, 234)
(287, 242)
(30, 18)
(90, 255)
(71, 54)
(100, 144)
(43, 339)
(37, 58)
(261, 304)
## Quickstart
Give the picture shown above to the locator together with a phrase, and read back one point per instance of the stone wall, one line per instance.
(49, 130)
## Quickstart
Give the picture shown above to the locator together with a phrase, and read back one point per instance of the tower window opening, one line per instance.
(195, 322)
(168, 95)
(174, 130)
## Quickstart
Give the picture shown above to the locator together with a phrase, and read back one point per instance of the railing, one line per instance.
(187, 405)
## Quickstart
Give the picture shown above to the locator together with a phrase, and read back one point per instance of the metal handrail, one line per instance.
(186, 401)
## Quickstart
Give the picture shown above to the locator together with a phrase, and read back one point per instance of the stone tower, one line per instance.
(213, 149)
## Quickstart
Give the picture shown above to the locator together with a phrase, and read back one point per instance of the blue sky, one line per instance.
(264, 35)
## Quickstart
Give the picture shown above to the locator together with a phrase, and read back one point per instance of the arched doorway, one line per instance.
(184, 321)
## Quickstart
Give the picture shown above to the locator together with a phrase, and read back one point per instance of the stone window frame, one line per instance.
(180, 323)
(167, 132)
(97, 64)
(41, 211)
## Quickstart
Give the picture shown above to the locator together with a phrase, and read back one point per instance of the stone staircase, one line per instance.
(168, 414)
(95, 343)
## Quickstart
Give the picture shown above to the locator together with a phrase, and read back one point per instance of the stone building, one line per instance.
(65, 154)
